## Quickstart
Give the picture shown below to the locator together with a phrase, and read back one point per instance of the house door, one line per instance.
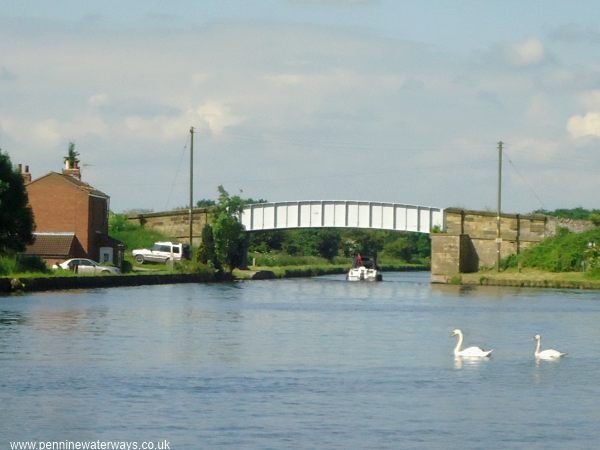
(106, 254)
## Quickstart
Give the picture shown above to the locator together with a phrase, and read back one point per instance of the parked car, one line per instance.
(162, 252)
(87, 266)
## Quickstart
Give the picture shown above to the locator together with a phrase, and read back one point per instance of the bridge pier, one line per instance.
(468, 243)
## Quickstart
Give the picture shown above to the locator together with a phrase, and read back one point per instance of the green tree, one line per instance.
(205, 203)
(367, 242)
(266, 241)
(72, 155)
(329, 241)
(228, 232)
(401, 248)
(16, 217)
(207, 252)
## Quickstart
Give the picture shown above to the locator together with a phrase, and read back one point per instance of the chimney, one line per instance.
(24, 173)
(72, 168)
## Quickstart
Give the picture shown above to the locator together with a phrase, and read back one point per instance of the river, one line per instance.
(316, 363)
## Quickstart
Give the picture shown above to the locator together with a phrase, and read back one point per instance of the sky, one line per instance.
(377, 100)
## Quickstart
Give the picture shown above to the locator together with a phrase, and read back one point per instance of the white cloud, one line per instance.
(50, 132)
(214, 116)
(540, 107)
(526, 53)
(217, 115)
(98, 100)
(590, 100)
(47, 132)
(533, 150)
(584, 126)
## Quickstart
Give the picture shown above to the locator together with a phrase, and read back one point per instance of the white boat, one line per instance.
(364, 269)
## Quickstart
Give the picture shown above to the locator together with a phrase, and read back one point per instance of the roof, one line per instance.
(51, 244)
(76, 182)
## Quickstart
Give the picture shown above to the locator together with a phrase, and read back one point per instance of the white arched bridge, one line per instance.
(342, 214)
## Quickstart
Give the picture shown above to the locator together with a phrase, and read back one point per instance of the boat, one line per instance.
(364, 269)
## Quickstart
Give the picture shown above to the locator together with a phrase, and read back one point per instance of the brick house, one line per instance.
(71, 218)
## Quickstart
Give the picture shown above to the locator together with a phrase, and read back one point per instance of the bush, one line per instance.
(195, 267)
(564, 252)
(31, 264)
(14, 264)
(275, 259)
(8, 265)
(400, 248)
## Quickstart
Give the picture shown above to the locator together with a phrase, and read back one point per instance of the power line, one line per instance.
(525, 180)
(176, 175)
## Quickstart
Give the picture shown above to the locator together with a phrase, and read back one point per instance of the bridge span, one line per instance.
(342, 214)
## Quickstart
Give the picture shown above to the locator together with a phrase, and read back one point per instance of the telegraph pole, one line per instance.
(191, 185)
(498, 232)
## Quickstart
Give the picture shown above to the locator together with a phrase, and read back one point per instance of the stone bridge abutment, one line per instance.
(469, 240)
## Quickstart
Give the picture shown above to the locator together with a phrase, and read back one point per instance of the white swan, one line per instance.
(469, 352)
(545, 354)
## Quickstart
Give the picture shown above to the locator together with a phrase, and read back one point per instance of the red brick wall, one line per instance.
(60, 206)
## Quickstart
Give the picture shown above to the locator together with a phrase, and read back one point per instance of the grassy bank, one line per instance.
(529, 278)
(317, 269)
(566, 260)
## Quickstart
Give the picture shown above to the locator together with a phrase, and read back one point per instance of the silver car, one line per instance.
(87, 267)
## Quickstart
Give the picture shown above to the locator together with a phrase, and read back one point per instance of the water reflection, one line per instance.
(465, 361)
(10, 318)
(70, 321)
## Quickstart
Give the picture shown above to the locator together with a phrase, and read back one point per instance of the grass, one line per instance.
(533, 278)
(564, 252)
(284, 265)
(563, 261)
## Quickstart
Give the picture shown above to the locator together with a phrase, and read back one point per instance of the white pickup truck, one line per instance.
(162, 252)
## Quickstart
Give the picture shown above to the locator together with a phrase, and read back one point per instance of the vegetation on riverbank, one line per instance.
(567, 260)
(565, 252)
(529, 278)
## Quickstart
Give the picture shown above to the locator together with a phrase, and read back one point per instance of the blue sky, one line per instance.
(400, 101)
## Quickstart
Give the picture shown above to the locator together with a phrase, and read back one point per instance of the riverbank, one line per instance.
(48, 283)
(22, 284)
(523, 278)
(268, 272)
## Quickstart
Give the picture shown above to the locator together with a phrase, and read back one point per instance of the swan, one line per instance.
(469, 351)
(545, 354)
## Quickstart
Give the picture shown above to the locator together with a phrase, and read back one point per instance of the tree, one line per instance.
(207, 251)
(329, 243)
(16, 216)
(265, 241)
(72, 155)
(205, 203)
(228, 232)
(365, 242)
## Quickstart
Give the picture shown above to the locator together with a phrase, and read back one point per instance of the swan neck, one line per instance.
(459, 343)
(538, 345)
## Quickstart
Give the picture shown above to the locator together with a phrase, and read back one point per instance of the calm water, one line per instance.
(310, 363)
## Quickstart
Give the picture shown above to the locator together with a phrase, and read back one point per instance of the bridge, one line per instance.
(468, 240)
(342, 214)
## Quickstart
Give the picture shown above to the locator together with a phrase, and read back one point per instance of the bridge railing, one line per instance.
(342, 214)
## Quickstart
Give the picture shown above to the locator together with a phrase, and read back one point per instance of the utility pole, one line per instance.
(191, 185)
(498, 232)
